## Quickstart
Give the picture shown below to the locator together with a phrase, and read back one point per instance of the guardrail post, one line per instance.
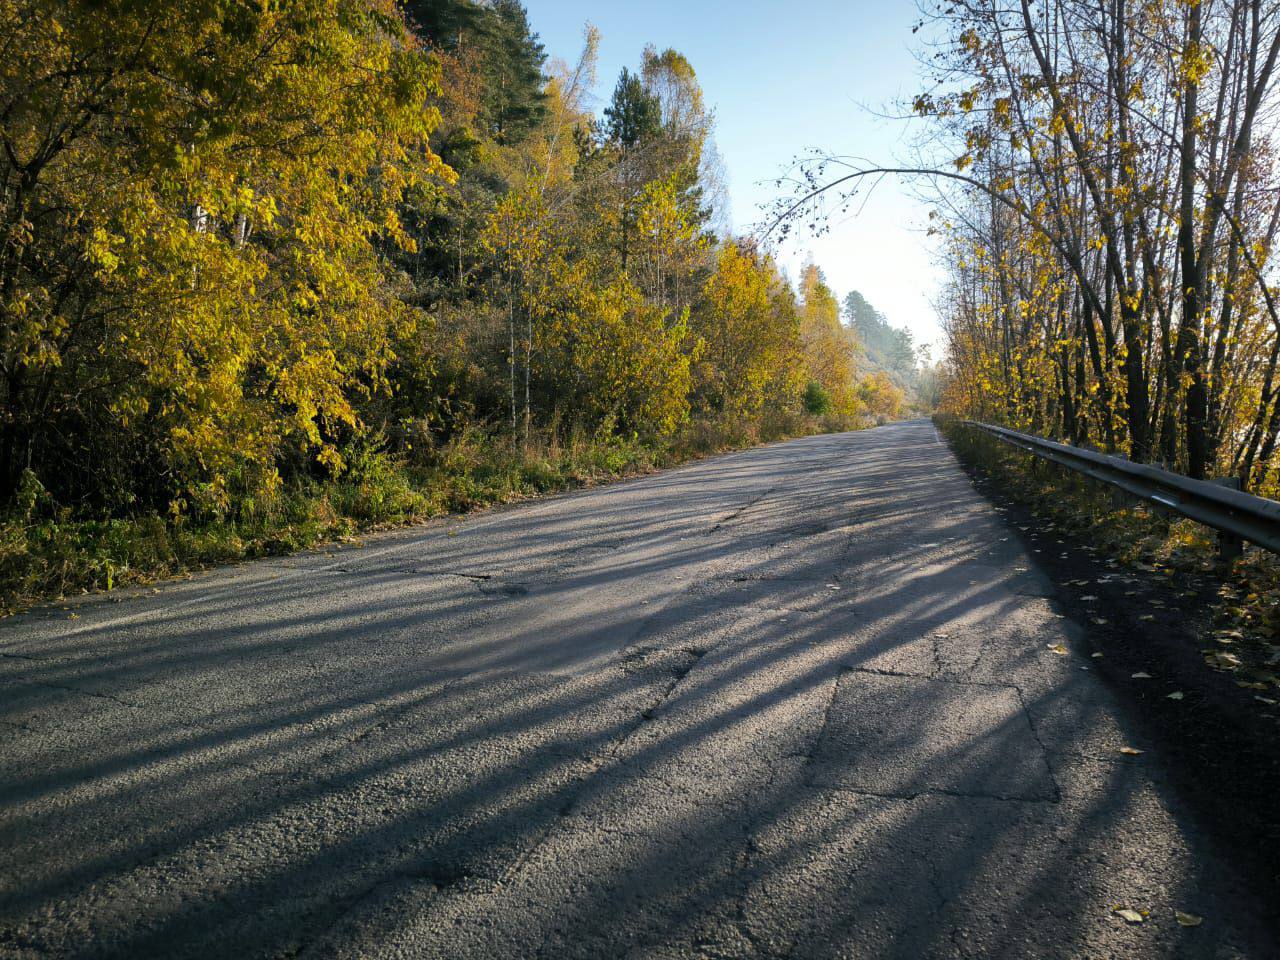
(1230, 548)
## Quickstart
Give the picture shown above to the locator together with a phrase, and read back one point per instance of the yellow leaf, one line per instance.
(1140, 675)
(1131, 751)
(1059, 649)
(1187, 919)
(1128, 915)
(1222, 661)
(1176, 695)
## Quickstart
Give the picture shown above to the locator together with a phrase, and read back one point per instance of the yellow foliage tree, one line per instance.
(829, 348)
(750, 334)
(197, 196)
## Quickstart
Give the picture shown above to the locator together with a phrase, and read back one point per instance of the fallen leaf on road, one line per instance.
(1095, 655)
(1100, 621)
(1176, 695)
(1147, 616)
(1127, 915)
(1222, 661)
(1187, 919)
(1059, 649)
(1140, 676)
(1131, 751)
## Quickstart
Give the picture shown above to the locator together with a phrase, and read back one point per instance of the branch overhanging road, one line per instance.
(797, 701)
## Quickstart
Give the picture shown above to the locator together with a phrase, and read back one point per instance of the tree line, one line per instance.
(249, 246)
(1109, 222)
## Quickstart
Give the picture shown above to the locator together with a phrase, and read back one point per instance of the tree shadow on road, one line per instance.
(827, 722)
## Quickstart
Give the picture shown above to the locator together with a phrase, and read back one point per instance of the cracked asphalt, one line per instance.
(797, 701)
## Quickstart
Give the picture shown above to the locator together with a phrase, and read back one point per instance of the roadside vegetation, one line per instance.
(48, 551)
(1107, 209)
(1242, 627)
(271, 274)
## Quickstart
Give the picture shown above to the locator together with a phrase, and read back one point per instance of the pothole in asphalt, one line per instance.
(902, 736)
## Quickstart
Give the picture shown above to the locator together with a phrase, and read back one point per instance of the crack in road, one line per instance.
(1044, 749)
(84, 693)
(729, 518)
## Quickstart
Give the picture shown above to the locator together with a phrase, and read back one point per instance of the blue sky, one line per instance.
(782, 79)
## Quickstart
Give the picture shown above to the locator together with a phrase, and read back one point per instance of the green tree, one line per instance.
(632, 119)
(498, 41)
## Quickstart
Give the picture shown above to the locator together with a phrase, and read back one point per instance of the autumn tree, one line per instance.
(828, 347)
(749, 328)
(191, 293)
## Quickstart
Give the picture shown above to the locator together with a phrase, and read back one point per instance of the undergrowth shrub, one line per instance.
(48, 551)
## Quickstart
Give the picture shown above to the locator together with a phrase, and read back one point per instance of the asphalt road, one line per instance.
(798, 701)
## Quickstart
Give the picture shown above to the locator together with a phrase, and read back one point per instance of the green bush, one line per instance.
(816, 399)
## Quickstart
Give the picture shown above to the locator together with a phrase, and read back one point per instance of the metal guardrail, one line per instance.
(1237, 516)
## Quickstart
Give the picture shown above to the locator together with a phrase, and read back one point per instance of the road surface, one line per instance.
(798, 701)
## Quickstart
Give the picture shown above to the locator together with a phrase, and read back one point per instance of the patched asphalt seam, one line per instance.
(940, 792)
(751, 824)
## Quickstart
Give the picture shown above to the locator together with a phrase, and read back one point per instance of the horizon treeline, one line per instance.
(249, 246)
(1110, 230)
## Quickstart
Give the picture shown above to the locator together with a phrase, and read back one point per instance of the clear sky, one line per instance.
(782, 79)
